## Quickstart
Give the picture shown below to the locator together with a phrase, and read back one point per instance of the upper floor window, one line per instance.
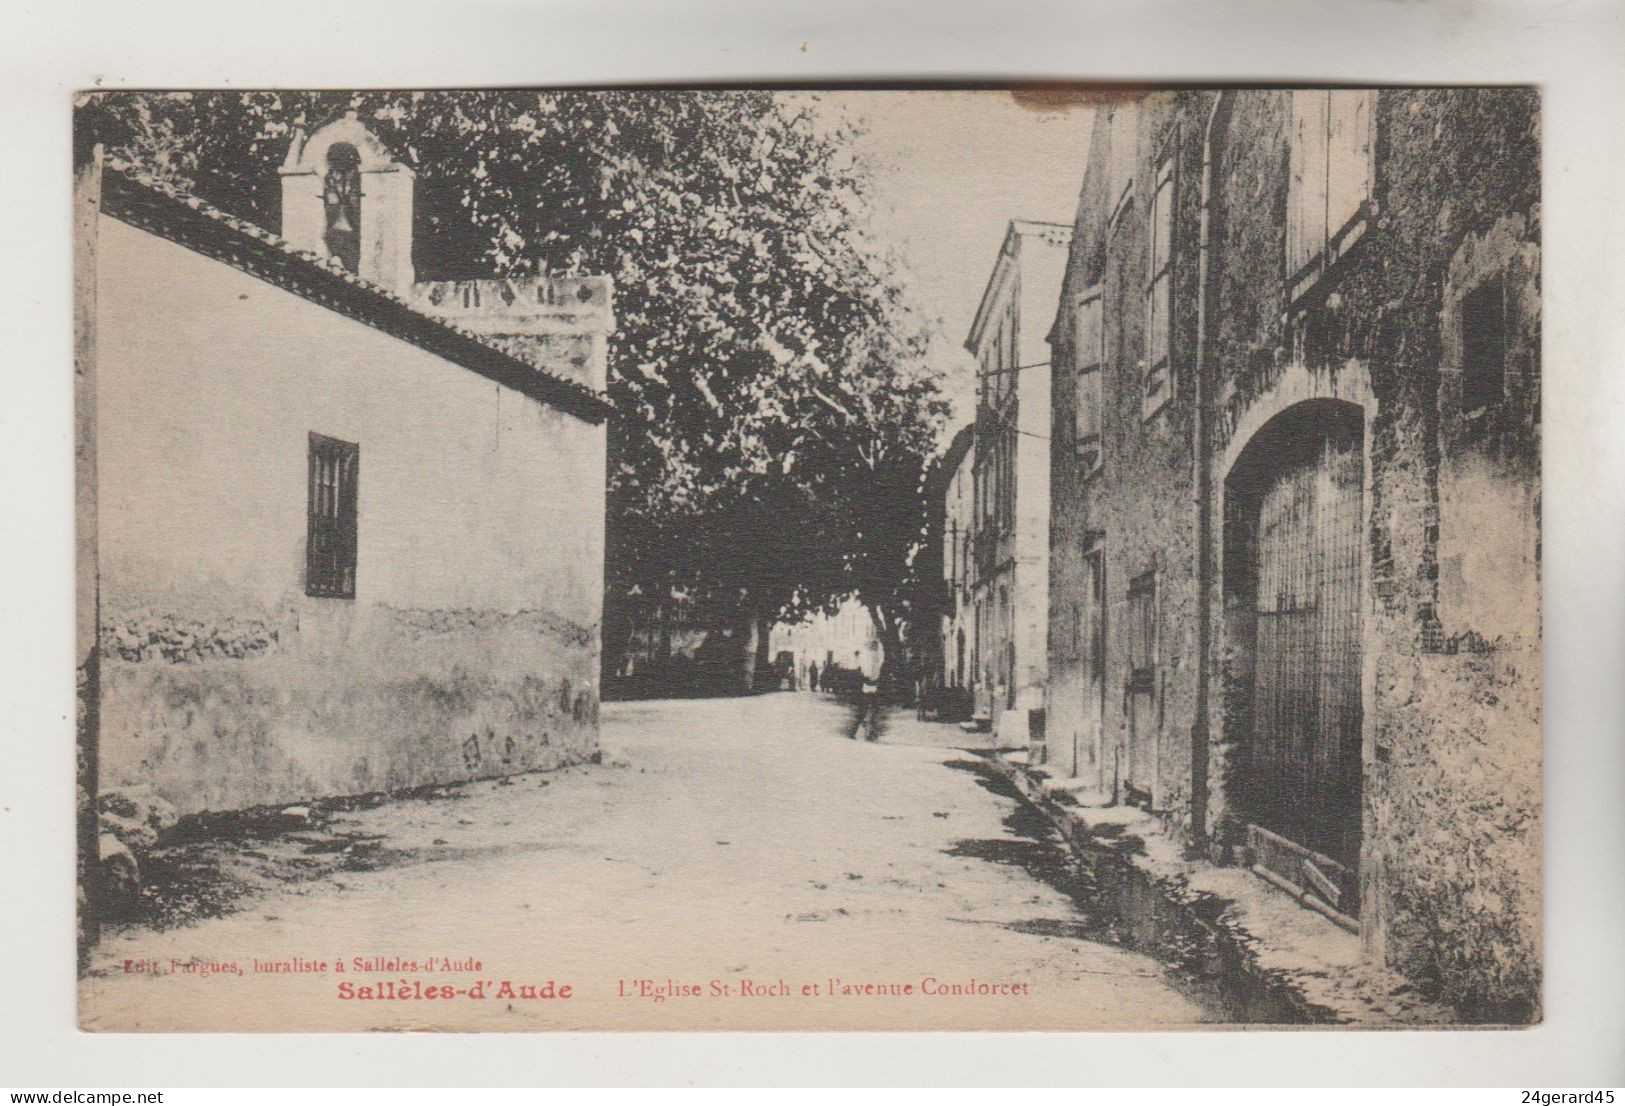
(1159, 290)
(1484, 346)
(1006, 509)
(1124, 150)
(984, 479)
(990, 480)
(1088, 352)
(1330, 179)
(1001, 360)
(1001, 357)
(1012, 358)
(330, 540)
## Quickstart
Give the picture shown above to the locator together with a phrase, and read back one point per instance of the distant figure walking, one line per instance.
(812, 676)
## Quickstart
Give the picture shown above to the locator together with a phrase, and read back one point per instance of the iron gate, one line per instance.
(1306, 776)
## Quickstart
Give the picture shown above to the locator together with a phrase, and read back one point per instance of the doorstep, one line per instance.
(1075, 792)
(1285, 943)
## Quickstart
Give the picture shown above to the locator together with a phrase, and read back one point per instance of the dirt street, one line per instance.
(732, 864)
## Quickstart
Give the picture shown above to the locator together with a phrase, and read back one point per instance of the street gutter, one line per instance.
(1246, 947)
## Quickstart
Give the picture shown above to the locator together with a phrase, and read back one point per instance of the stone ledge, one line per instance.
(1301, 960)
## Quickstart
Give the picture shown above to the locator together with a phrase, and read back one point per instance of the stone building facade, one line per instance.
(960, 650)
(1012, 476)
(348, 527)
(1295, 541)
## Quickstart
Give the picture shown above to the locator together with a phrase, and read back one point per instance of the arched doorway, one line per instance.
(1294, 533)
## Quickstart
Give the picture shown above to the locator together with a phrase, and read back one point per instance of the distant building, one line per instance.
(1011, 527)
(956, 487)
(1295, 568)
(348, 527)
(680, 643)
(666, 627)
(829, 640)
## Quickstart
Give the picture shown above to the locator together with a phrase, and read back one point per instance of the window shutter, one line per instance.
(1317, 130)
(349, 463)
(1089, 404)
(1125, 139)
(1296, 252)
(1088, 355)
(1159, 288)
(1306, 190)
(1348, 175)
(1163, 220)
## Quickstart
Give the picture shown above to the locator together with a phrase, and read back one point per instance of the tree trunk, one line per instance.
(889, 631)
(749, 644)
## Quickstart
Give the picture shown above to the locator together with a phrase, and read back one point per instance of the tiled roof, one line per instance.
(136, 196)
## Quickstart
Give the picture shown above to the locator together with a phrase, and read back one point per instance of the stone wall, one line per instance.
(1141, 502)
(1455, 809)
(471, 647)
(1450, 866)
(1074, 739)
(1450, 690)
(401, 698)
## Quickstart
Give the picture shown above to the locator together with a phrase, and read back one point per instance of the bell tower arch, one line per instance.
(344, 196)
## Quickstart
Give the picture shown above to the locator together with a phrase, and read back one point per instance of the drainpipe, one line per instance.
(1203, 500)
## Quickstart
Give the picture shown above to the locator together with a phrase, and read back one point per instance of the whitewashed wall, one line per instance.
(480, 566)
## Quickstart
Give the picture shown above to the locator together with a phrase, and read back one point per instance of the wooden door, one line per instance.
(1143, 702)
(1092, 638)
(1306, 774)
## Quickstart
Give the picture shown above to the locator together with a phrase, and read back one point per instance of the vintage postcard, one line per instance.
(1030, 559)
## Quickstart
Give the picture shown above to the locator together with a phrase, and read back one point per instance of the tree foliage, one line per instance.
(775, 410)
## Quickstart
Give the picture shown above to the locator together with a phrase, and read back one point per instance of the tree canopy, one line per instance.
(775, 409)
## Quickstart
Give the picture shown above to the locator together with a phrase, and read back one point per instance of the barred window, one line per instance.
(1159, 289)
(330, 543)
(1088, 353)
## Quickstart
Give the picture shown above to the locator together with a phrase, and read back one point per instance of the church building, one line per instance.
(342, 531)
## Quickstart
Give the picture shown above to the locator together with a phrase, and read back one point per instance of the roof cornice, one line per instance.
(1055, 235)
